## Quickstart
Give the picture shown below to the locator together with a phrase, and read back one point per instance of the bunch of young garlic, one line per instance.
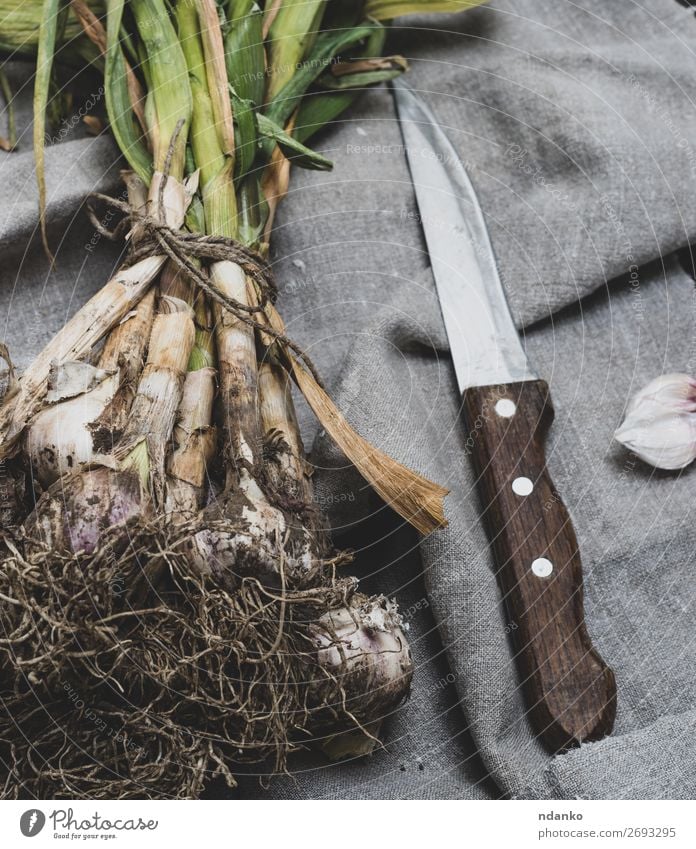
(173, 571)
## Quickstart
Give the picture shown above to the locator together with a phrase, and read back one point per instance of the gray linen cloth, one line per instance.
(577, 124)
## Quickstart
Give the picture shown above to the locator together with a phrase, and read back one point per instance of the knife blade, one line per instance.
(570, 691)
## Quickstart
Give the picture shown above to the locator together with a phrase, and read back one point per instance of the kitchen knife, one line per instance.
(570, 691)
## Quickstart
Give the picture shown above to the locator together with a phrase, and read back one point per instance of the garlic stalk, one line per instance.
(255, 549)
(195, 435)
(83, 416)
(289, 469)
(152, 414)
(660, 422)
(125, 350)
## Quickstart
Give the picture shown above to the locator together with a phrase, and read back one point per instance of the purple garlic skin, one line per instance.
(73, 513)
(364, 646)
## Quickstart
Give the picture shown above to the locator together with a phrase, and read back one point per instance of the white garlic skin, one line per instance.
(363, 644)
(660, 422)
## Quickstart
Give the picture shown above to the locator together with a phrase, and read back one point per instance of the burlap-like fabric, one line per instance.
(577, 123)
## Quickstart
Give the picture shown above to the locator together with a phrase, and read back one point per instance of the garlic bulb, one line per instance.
(59, 440)
(660, 422)
(364, 646)
(72, 514)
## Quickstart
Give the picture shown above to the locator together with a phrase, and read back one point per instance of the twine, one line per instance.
(185, 249)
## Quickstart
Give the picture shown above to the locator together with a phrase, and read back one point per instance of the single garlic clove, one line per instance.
(660, 422)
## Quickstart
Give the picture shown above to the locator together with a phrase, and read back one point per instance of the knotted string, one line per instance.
(185, 249)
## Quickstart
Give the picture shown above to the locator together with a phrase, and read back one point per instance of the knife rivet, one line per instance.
(522, 486)
(505, 408)
(542, 567)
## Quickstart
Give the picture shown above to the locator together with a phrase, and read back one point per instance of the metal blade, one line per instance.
(486, 348)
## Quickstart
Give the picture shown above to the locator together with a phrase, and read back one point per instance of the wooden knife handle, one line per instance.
(570, 691)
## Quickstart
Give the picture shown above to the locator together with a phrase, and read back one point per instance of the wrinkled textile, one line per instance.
(577, 124)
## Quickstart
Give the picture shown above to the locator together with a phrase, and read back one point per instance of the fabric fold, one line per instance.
(577, 123)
